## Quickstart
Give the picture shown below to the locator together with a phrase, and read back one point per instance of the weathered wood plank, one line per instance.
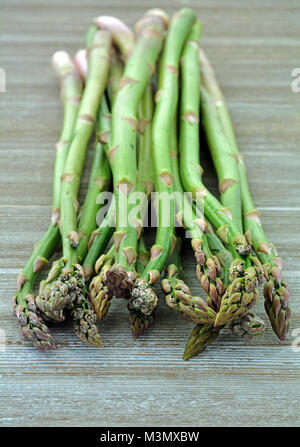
(254, 47)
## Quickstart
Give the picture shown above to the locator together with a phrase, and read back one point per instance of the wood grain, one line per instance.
(254, 47)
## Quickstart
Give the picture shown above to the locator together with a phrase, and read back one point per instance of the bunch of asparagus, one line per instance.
(144, 95)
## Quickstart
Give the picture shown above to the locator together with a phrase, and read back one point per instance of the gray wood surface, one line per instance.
(254, 46)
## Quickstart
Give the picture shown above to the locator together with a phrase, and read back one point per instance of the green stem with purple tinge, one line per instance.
(65, 282)
(121, 34)
(276, 291)
(145, 185)
(144, 299)
(250, 275)
(178, 294)
(190, 169)
(98, 63)
(124, 124)
(98, 182)
(31, 326)
(102, 235)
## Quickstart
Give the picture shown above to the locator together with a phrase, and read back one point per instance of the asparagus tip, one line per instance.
(119, 281)
(143, 298)
(139, 323)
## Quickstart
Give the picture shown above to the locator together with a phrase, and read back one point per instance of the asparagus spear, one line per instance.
(190, 169)
(100, 238)
(212, 257)
(139, 325)
(31, 325)
(122, 37)
(100, 172)
(178, 294)
(143, 256)
(65, 281)
(249, 325)
(276, 291)
(98, 290)
(82, 311)
(98, 182)
(145, 185)
(191, 177)
(102, 235)
(144, 299)
(208, 267)
(115, 74)
(211, 271)
(248, 273)
(201, 336)
(121, 277)
(145, 176)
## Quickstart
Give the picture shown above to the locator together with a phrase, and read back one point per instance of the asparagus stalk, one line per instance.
(139, 325)
(100, 172)
(99, 295)
(178, 294)
(98, 182)
(276, 291)
(213, 260)
(209, 267)
(31, 325)
(145, 185)
(190, 169)
(102, 235)
(250, 271)
(65, 281)
(121, 277)
(144, 299)
(122, 36)
(98, 291)
(201, 336)
(82, 311)
(95, 84)
(143, 256)
(225, 164)
(145, 164)
(191, 176)
(248, 326)
(115, 74)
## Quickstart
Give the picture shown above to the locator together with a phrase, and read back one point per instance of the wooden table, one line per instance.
(254, 46)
